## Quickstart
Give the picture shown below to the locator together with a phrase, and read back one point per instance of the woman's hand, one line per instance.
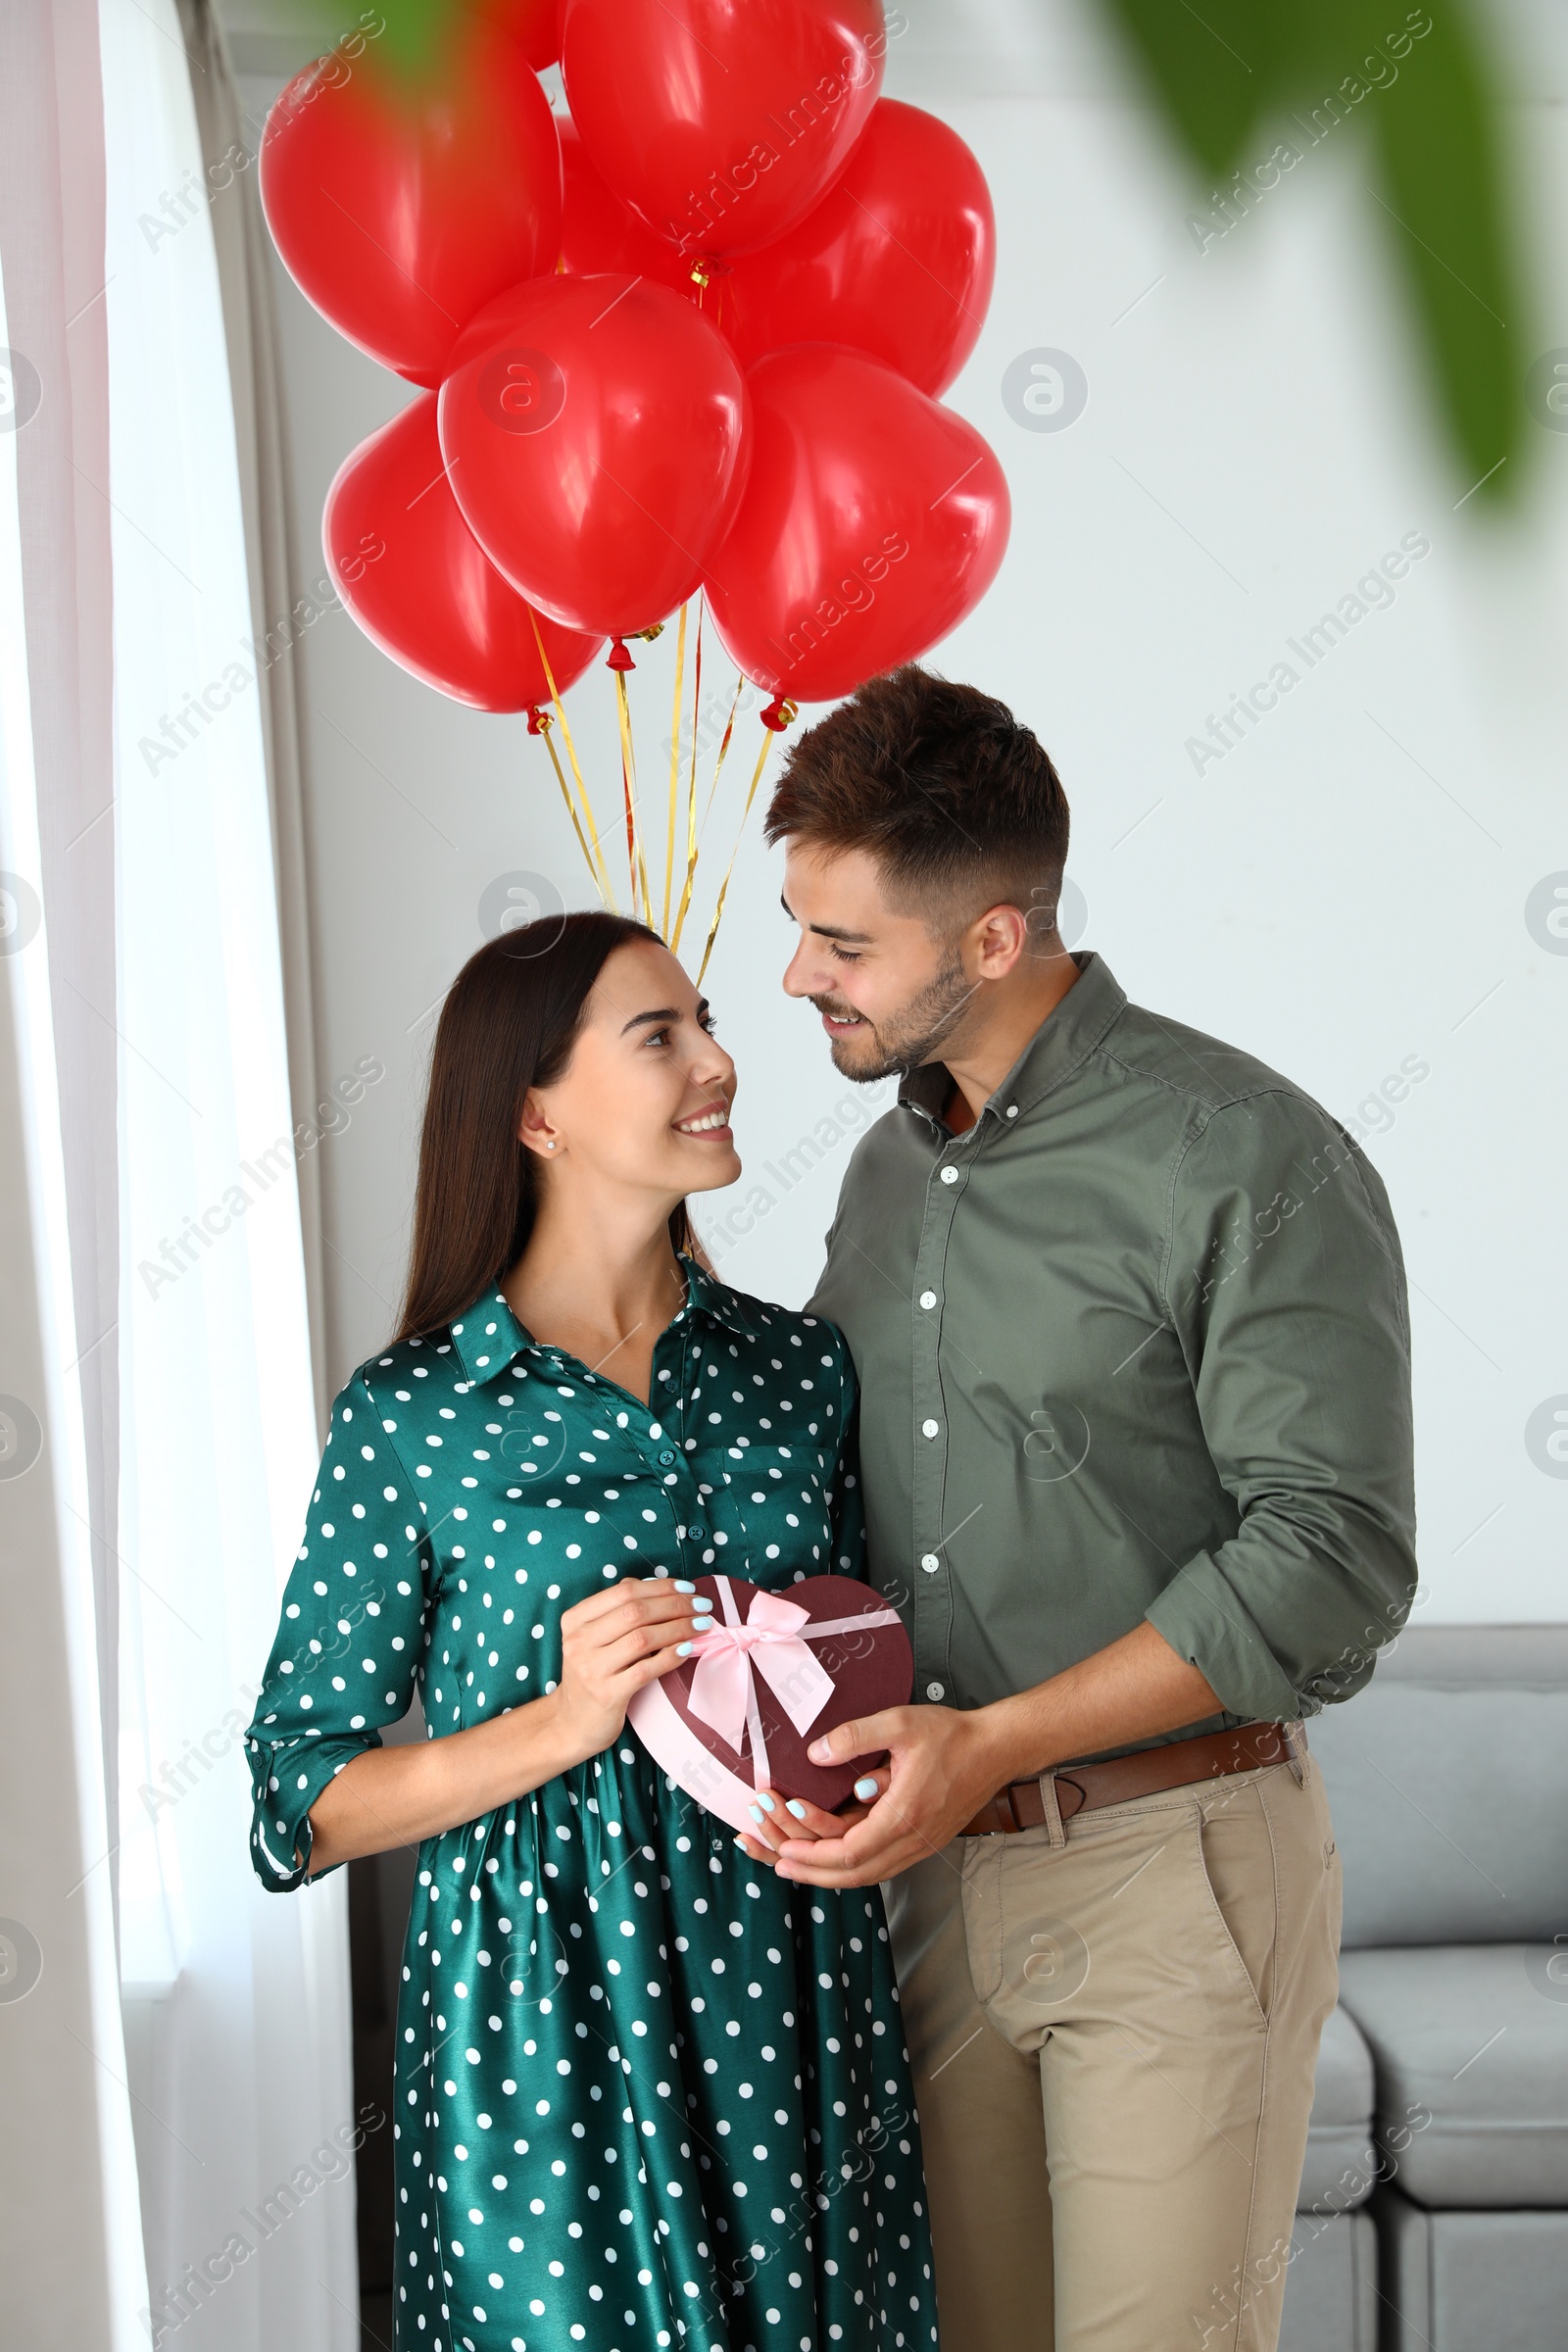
(779, 1817)
(613, 1642)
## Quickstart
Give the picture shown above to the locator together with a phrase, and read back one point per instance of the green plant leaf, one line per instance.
(1213, 66)
(1417, 88)
(1438, 179)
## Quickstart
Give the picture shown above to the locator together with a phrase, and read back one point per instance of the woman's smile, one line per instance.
(711, 1123)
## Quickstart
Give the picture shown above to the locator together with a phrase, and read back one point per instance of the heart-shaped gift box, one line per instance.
(778, 1670)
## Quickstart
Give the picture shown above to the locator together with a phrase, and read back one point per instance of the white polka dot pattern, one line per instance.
(647, 2094)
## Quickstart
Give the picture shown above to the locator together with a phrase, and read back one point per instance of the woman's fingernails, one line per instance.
(820, 1752)
(682, 1585)
(683, 1649)
(793, 1805)
(702, 1625)
(866, 1790)
(756, 1812)
(766, 1802)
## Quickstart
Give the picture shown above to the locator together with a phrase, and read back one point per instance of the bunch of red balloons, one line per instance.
(692, 337)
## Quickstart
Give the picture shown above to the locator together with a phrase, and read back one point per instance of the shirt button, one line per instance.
(949, 1175)
(936, 1689)
(696, 1534)
(930, 1429)
(1012, 1111)
(928, 1298)
(667, 1455)
(929, 1562)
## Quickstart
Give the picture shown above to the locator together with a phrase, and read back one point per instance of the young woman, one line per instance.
(647, 2094)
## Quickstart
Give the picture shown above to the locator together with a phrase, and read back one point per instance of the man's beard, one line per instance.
(920, 1032)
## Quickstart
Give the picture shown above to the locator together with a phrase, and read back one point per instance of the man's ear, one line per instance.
(1001, 935)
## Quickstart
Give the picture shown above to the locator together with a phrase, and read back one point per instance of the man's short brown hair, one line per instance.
(958, 805)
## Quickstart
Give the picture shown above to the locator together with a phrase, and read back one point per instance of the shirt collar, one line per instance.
(1066, 1037)
(488, 1336)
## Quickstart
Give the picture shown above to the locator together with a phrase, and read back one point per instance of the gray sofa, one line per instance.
(1434, 2206)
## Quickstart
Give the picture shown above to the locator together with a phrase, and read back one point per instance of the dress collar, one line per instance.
(487, 1336)
(1066, 1036)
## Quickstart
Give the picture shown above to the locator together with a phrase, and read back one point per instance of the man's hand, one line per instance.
(942, 1767)
(945, 1763)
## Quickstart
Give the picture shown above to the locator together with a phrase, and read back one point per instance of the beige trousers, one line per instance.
(1113, 2030)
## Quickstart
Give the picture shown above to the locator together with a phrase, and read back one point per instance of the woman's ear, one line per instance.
(535, 1130)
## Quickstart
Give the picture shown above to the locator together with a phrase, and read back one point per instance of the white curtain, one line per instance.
(237, 2004)
(156, 1383)
(71, 2260)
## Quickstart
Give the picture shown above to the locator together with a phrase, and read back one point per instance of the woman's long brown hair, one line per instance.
(510, 1022)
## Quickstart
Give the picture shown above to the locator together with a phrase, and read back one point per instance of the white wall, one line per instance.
(1342, 894)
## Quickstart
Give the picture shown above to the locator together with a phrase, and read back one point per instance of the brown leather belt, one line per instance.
(1084, 1787)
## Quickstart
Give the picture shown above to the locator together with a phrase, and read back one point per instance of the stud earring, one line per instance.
(550, 1146)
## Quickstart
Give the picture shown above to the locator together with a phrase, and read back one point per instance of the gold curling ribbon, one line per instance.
(718, 910)
(545, 724)
(628, 776)
(674, 773)
(719, 764)
(691, 786)
(599, 872)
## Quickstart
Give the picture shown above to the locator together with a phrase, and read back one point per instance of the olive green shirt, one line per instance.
(1134, 1346)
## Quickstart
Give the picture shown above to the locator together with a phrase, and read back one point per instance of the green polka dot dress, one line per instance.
(647, 2094)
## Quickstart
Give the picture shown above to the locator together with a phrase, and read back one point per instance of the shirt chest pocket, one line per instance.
(771, 1507)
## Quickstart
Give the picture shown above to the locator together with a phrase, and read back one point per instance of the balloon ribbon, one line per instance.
(675, 773)
(718, 910)
(597, 867)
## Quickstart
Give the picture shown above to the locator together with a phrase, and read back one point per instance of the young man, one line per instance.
(1129, 1318)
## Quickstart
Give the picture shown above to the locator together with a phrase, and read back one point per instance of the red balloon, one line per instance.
(593, 430)
(721, 122)
(897, 260)
(401, 208)
(535, 24)
(420, 584)
(598, 232)
(872, 521)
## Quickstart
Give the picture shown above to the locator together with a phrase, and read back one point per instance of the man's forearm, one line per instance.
(1133, 1689)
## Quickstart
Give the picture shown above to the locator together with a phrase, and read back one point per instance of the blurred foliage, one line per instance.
(1414, 85)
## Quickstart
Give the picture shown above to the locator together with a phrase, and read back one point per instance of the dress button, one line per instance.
(936, 1689)
(667, 1455)
(929, 1562)
(696, 1534)
(930, 1429)
(949, 1175)
(928, 1298)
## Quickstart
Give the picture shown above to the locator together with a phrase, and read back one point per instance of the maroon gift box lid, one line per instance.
(779, 1670)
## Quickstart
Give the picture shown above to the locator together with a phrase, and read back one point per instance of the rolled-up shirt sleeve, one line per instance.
(350, 1637)
(1285, 1288)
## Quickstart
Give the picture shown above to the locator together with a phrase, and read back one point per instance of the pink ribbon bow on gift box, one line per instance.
(772, 1643)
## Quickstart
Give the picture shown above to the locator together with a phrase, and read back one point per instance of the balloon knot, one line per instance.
(538, 720)
(617, 656)
(780, 711)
